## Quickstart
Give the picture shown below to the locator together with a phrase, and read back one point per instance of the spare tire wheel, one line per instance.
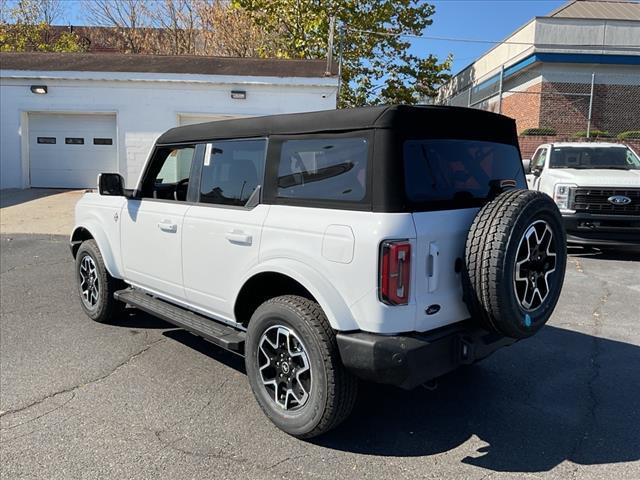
(515, 263)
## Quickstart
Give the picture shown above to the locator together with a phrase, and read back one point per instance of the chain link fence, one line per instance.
(561, 106)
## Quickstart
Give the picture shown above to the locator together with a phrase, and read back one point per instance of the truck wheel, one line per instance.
(294, 367)
(95, 285)
(515, 263)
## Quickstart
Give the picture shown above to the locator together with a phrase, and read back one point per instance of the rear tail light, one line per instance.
(395, 272)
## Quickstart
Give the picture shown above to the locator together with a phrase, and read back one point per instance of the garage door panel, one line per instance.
(66, 165)
(69, 161)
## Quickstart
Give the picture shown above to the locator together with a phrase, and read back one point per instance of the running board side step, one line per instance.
(209, 329)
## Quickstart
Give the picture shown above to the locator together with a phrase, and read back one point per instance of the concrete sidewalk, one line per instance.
(43, 211)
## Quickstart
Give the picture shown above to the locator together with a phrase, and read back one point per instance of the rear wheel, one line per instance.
(294, 368)
(95, 286)
(515, 262)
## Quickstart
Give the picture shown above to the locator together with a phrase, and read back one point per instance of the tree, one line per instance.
(129, 20)
(177, 20)
(229, 31)
(27, 27)
(377, 64)
(175, 27)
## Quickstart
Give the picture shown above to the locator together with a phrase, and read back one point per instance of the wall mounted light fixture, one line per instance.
(238, 94)
(39, 89)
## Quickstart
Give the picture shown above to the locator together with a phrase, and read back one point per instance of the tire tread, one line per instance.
(341, 385)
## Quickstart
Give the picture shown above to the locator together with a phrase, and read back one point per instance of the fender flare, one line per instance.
(327, 296)
(104, 246)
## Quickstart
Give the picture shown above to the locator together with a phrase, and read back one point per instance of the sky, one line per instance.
(477, 19)
(490, 20)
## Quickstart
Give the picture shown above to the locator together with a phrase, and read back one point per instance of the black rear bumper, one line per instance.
(409, 360)
(606, 230)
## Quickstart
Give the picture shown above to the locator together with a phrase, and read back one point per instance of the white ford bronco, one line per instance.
(597, 188)
(391, 244)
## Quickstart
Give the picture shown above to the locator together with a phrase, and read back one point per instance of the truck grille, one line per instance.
(595, 200)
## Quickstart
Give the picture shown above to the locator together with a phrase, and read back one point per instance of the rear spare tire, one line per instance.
(515, 263)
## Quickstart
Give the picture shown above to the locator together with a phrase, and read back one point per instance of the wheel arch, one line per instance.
(286, 277)
(90, 231)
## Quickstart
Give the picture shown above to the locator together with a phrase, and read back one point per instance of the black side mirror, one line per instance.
(111, 184)
(537, 171)
(527, 165)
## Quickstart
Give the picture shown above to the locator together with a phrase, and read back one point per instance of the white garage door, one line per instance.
(69, 150)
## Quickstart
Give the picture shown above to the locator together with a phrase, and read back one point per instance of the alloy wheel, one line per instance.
(284, 367)
(535, 264)
(89, 283)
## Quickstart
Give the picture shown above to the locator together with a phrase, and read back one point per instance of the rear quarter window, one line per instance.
(323, 169)
(458, 171)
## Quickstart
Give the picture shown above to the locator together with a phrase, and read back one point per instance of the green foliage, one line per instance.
(593, 134)
(376, 68)
(28, 30)
(37, 38)
(631, 134)
(539, 131)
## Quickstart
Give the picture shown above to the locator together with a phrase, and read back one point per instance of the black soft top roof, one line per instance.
(432, 121)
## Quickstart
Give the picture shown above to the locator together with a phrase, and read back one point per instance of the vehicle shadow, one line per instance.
(625, 254)
(560, 395)
(137, 319)
(212, 351)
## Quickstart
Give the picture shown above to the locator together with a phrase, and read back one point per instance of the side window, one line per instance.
(168, 174)
(632, 159)
(323, 169)
(232, 170)
(539, 159)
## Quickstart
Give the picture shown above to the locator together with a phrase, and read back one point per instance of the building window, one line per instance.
(74, 141)
(103, 141)
(47, 140)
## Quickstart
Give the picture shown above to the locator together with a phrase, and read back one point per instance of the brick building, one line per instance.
(574, 70)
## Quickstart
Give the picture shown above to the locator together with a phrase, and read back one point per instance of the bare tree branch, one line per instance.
(129, 18)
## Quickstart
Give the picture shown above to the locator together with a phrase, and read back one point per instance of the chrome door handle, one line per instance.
(239, 237)
(167, 226)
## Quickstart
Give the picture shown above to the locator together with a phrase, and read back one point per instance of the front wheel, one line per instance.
(294, 367)
(95, 286)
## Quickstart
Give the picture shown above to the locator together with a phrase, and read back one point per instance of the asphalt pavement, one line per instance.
(138, 399)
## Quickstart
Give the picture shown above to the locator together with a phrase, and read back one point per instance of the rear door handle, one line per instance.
(168, 226)
(239, 237)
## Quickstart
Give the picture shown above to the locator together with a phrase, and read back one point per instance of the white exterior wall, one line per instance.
(550, 34)
(563, 34)
(145, 106)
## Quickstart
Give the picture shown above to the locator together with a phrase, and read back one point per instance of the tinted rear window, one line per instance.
(459, 171)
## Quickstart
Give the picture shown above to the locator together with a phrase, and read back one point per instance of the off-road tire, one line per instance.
(106, 307)
(491, 255)
(333, 391)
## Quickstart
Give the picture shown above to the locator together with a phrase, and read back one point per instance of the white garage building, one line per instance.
(66, 117)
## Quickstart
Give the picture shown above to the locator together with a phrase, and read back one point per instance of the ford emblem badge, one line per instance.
(619, 200)
(432, 309)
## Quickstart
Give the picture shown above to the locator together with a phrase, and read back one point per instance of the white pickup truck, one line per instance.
(595, 185)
